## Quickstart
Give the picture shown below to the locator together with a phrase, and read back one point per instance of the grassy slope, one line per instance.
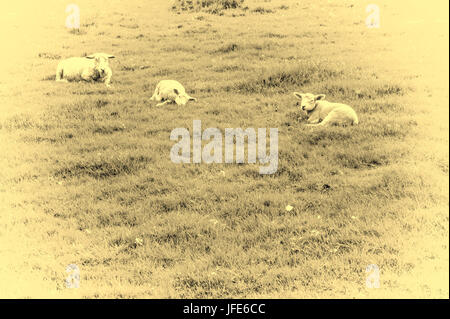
(87, 170)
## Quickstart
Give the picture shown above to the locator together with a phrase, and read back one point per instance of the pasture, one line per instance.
(86, 175)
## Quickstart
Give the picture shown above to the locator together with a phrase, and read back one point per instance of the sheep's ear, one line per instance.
(111, 56)
(92, 56)
(319, 97)
(192, 99)
(176, 91)
(298, 95)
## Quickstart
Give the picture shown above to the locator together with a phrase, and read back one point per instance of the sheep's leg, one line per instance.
(163, 103)
(313, 121)
(108, 78)
(86, 75)
(328, 120)
(60, 74)
(317, 122)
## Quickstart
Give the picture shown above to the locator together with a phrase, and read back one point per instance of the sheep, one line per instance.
(94, 67)
(171, 91)
(323, 113)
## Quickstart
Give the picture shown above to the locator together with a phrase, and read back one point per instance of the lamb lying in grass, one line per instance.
(321, 112)
(94, 67)
(170, 91)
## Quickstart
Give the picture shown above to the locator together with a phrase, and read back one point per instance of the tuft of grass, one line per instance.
(117, 218)
(77, 31)
(272, 35)
(294, 77)
(103, 168)
(363, 158)
(262, 10)
(51, 56)
(19, 122)
(318, 136)
(108, 129)
(130, 26)
(364, 90)
(210, 6)
(227, 68)
(99, 103)
(231, 47)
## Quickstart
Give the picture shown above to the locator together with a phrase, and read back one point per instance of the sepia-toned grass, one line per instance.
(87, 179)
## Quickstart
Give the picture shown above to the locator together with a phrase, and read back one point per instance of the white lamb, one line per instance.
(321, 112)
(94, 67)
(170, 91)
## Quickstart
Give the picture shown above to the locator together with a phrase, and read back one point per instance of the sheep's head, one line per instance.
(101, 62)
(183, 98)
(308, 100)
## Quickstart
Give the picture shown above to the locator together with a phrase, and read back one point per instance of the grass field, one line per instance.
(86, 176)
